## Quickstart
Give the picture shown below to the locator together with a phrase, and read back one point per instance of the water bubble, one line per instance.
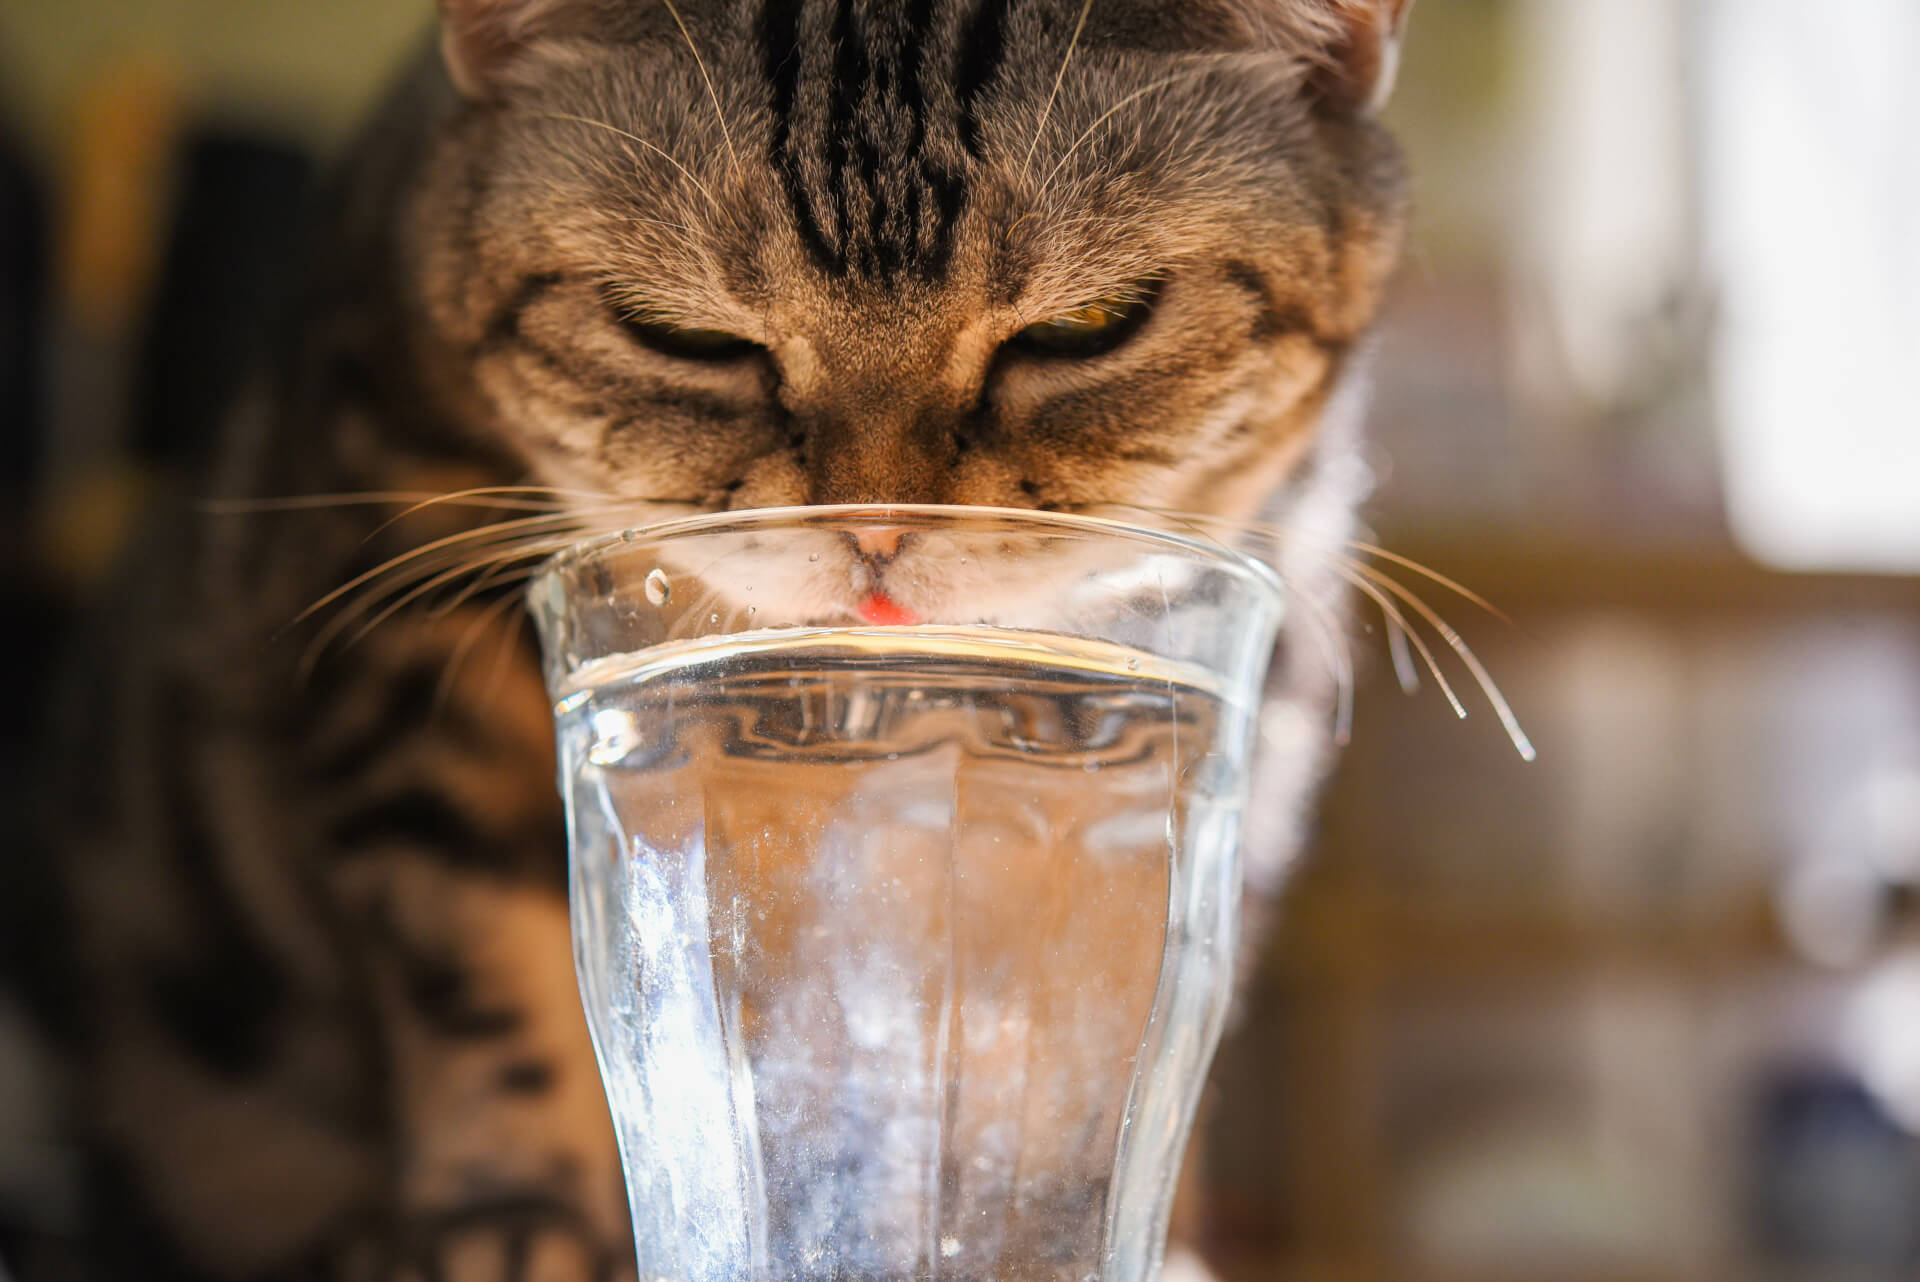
(659, 591)
(713, 618)
(813, 556)
(752, 610)
(1133, 665)
(629, 534)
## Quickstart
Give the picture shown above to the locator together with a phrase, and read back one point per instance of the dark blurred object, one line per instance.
(30, 617)
(174, 250)
(224, 275)
(1836, 1182)
(23, 291)
(28, 613)
(23, 254)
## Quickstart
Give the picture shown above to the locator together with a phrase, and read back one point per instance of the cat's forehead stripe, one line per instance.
(867, 157)
(980, 57)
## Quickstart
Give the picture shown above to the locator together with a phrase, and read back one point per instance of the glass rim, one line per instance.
(896, 513)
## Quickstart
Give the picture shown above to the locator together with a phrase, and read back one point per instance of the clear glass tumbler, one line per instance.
(905, 878)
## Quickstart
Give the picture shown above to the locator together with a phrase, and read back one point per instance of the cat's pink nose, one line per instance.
(879, 541)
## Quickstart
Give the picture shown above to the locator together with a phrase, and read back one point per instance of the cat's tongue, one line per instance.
(879, 608)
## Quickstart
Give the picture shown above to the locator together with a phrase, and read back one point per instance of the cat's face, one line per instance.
(878, 251)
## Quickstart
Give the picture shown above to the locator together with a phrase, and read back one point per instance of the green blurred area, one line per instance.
(305, 69)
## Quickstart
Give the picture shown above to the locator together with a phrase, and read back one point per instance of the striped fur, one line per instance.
(319, 1002)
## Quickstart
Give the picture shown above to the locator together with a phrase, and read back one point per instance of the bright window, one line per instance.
(1811, 201)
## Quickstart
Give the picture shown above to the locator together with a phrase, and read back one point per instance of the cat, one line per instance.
(600, 261)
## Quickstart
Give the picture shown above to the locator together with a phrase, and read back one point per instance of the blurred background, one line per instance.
(1646, 1008)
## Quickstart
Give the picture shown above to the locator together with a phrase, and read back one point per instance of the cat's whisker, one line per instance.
(337, 625)
(508, 635)
(419, 576)
(490, 569)
(458, 498)
(685, 230)
(1403, 669)
(580, 522)
(636, 138)
(1102, 119)
(1200, 524)
(489, 565)
(1271, 531)
(1353, 571)
(1332, 638)
(381, 498)
(582, 525)
(530, 524)
(1335, 646)
(719, 115)
(424, 577)
(1065, 227)
(1488, 687)
(501, 572)
(487, 617)
(1425, 572)
(1059, 78)
(483, 552)
(1397, 624)
(503, 568)
(533, 510)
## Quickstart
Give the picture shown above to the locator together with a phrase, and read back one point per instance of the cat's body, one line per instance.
(320, 1003)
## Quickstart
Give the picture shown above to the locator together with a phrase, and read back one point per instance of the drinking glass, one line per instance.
(905, 877)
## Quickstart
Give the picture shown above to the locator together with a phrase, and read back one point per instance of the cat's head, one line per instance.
(1027, 253)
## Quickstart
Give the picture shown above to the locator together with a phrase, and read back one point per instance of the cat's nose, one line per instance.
(881, 542)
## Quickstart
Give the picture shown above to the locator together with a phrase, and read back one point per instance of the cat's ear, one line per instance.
(479, 38)
(1356, 69)
(1350, 48)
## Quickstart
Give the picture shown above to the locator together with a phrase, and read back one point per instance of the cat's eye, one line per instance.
(1088, 330)
(684, 341)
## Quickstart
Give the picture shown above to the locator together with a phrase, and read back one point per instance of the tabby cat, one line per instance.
(600, 261)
